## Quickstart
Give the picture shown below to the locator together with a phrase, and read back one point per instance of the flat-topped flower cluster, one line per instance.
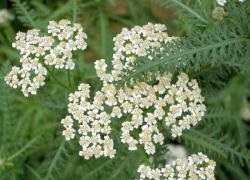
(198, 166)
(37, 51)
(140, 41)
(179, 105)
(175, 104)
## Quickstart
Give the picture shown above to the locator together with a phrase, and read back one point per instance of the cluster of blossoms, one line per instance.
(70, 37)
(140, 41)
(55, 50)
(198, 166)
(5, 16)
(94, 123)
(179, 105)
(223, 2)
(31, 75)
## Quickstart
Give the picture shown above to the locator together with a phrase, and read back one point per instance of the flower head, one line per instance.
(178, 104)
(93, 123)
(70, 38)
(55, 50)
(140, 41)
(198, 166)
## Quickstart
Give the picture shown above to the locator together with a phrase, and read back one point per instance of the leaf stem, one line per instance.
(69, 77)
(191, 11)
(55, 159)
(22, 8)
(184, 53)
(22, 150)
(56, 80)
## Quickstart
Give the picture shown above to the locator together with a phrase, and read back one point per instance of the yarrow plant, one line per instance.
(94, 123)
(179, 105)
(198, 166)
(69, 37)
(149, 97)
(140, 41)
(37, 51)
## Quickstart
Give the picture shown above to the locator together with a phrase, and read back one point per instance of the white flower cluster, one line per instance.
(140, 41)
(223, 2)
(52, 51)
(94, 123)
(197, 167)
(179, 105)
(31, 75)
(70, 38)
(5, 16)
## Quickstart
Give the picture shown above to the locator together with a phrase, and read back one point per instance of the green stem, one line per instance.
(203, 69)
(55, 79)
(91, 77)
(174, 57)
(98, 168)
(191, 11)
(22, 150)
(55, 160)
(143, 154)
(69, 77)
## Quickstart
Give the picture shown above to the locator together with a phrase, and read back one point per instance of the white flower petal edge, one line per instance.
(198, 166)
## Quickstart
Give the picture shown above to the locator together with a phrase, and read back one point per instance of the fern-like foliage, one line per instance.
(75, 10)
(56, 160)
(216, 53)
(219, 116)
(215, 46)
(217, 146)
(184, 7)
(195, 52)
(25, 14)
(33, 18)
